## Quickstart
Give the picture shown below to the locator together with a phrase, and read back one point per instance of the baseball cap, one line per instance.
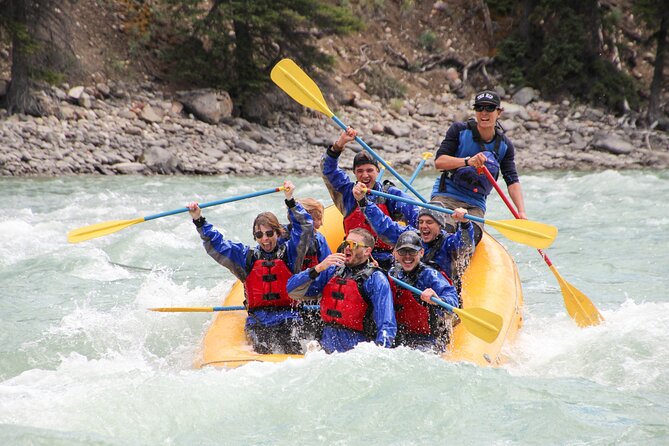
(435, 215)
(364, 158)
(410, 240)
(487, 97)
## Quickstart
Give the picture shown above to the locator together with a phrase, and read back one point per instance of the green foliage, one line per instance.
(502, 7)
(233, 44)
(428, 40)
(50, 76)
(396, 104)
(382, 85)
(560, 55)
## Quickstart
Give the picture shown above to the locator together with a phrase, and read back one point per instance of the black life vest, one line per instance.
(265, 284)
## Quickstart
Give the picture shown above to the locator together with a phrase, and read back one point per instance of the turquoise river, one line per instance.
(82, 361)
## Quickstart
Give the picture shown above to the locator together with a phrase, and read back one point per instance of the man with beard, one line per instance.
(355, 297)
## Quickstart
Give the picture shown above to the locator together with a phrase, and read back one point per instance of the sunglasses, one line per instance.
(407, 252)
(488, 107)
(351, 244)
(258, 234)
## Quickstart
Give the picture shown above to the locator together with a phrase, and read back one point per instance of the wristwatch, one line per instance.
(467, 160)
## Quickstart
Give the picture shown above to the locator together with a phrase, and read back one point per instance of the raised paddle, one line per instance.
(299, 86)
(482, 323)
(211, 309)
(531, 233)
(109, 227)
(579, 307)
(426, 156)
(380, 175)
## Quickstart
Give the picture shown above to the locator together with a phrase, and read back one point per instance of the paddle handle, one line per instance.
(381, 160)
(426, 156)
(413, 289)
(215, 203)
(511, 207)
(425, 205)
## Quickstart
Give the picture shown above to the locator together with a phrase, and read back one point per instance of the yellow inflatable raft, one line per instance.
(491, 282)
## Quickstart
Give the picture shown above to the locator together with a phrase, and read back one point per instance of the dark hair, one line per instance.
(364, 158)
(268, 219)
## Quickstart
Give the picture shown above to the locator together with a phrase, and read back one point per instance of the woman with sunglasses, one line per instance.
(467, 147)
(273, 323)
(355, 296)
(421, 324)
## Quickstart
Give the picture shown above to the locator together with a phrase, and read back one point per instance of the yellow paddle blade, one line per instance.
(184, 309)
(579, 307)
(299, 86)
(531, 233)
(482, 323)
(100, 229)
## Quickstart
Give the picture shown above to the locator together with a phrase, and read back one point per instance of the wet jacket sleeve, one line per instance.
(459, 241)
(301, 233)
(397, 207)
(431, 278)
(338, 183)
(378, 290)
(228, 254)
(301, 285)
(387, 229)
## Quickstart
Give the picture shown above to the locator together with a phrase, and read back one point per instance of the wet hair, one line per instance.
(312, 206)
(367, 237)
(268, 219)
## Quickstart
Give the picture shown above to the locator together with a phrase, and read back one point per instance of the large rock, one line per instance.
(159, 160)
(207, 104)
(611, 143)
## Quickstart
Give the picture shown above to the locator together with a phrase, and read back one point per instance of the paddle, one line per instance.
(537, 235)
(299, 86)
(579, 307)
(109, 227)
(211, 309)
(482, 323)
(380, 175)
(426, 156)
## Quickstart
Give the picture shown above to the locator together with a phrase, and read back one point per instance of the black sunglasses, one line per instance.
(407, 252)
(258, 234)
(488, 107)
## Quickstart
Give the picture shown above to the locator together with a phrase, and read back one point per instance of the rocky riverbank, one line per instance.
(114, 129)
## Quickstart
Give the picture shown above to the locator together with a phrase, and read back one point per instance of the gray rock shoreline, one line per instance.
(116, 129)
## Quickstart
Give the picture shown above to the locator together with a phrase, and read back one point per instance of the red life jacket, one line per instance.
(265, 284)
(356, 219)
(344, 301)
(311, 257)
(412, 314)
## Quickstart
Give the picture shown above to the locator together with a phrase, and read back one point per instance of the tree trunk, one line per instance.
(40, 48)
(245, 69)
(20, 97)
(658, 72)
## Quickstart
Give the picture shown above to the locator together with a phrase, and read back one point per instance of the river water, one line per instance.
(82, 362)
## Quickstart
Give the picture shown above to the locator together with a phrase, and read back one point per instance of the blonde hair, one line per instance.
(312, 206)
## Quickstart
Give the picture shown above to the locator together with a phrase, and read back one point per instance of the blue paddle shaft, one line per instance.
(379, 159)
(415, 174)
(413, 289)
(241, 307)
(425, 205)
(214, 203)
